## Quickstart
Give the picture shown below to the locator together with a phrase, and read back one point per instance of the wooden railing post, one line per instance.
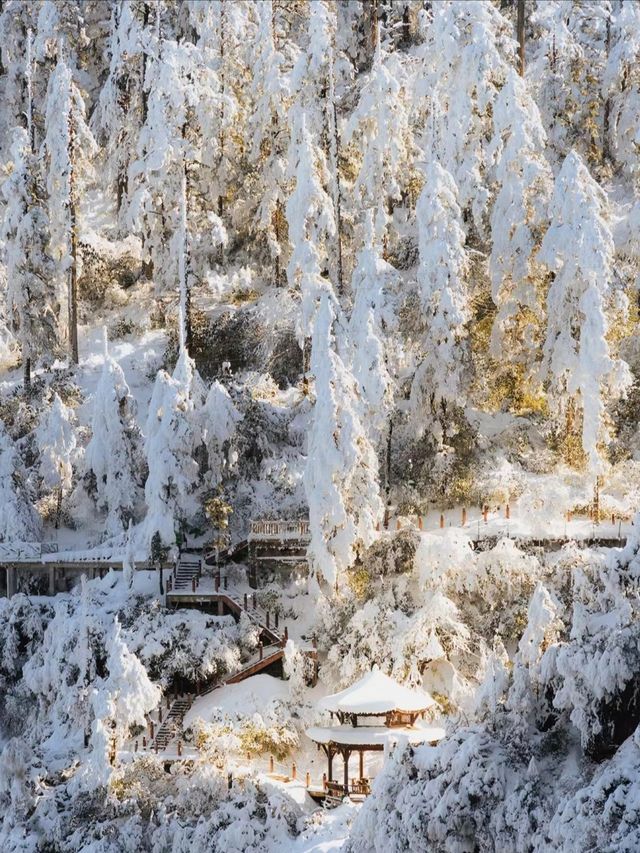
(271, 764)
(307, 779)
(441, 521)
(464, 515)
(260, 649)
(245, 601)
(294, 770)
(277, 619)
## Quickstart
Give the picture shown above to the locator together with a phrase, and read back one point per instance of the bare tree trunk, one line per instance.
(188, 336)
(73, 229)
(606, 153)
(58, 506)
(2, 68)
(221, 140)
(520, 33)
(371, 29)
(333, 140)
(26, 369)
(147, 262)
(387, 475)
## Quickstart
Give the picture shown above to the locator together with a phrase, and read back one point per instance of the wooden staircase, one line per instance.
(172, 723)
(189, 567)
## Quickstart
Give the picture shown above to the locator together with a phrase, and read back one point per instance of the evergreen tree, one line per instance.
(269, 135)
(121, 106)
(622, 85)
(32, 300)
(466, 58)
(113, 458)
(442, 270)
(380, 122)
(173, 434)
(56, 438)
(311, 225)
(518, 218)
(370, 323)
(578, 248)
(70, 148)
(19, 521)
(341, 474)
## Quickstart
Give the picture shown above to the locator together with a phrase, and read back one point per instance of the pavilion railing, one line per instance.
(280, 529)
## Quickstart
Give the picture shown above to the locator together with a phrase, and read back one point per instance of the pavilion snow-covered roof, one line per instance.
(377, 693)
(373, 737)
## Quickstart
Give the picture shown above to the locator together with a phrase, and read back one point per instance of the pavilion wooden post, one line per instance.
(345, 758)
(330, 763)
(362, 764)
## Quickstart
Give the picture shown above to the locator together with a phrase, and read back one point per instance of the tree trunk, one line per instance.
(221, 139)
(606, 154)
(520, 33)
(160, 577)
(73, 271)
(371, 30)
(58, 506)
(333, 144)
(387, 475)
(26, 369)
(147, 262)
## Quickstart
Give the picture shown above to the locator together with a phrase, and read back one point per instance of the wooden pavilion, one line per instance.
(372, 715)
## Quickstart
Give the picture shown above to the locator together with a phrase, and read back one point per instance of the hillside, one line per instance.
(319, 362)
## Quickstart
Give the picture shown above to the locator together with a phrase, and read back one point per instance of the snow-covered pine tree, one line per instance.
(120, 700)
(578, 248)
(226, 34)
(121, 106)
(622, 85)
(172, 436)
(178, 138)
(56, 439)
(313, 82)
(341, 473)
(442, 271)
(70, 148)
(17, 23)
(19, 521)
(566, 74)
(219, 420)
(518, 217)
(113, 458)
(269, 135)
(380, 124)
(32, 300)
(311, 225)
(465, 59)
(371, 321)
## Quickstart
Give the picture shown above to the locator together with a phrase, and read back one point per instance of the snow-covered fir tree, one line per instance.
(341, 474)
(70, 147)
(443, 263)
(56, 437)
(578, 248)
(19, 520)
(32, 297)
(112, 459)
(311, 221)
